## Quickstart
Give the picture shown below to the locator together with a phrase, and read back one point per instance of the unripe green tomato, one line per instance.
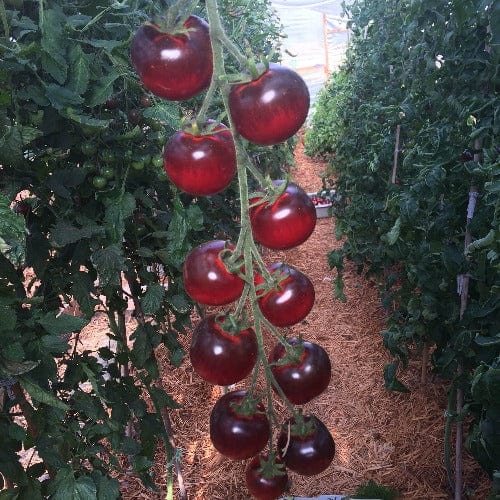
(157, 161)
(108, 172)
(88, 148)
(107, 156)
(99, 182)
(137, 164)
(88, 165)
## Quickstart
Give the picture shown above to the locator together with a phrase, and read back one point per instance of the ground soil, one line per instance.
(394, 438)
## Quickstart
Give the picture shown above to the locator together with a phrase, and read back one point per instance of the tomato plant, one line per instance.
(236, 432)
(201, 163)
(307, 449)
(265, 481)
(286, 222)
(175, 66)
(270, 108)
(218, 354)
(206, 277)
(292, 298)
(303, 373)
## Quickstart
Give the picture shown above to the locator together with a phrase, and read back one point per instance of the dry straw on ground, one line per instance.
(395, 439)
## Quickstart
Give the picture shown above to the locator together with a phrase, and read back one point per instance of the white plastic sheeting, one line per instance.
(316, 38)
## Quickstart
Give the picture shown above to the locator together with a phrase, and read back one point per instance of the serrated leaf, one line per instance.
(391, 381)
(62, 97)
(89, 121)
(393, 234)
(41, 395)
(117, 211)
(56, 68)
(79, 70)
(102, 90)
(153, 298)
(108, 488)
(82, 290)
(68, 487)
(54, 344)
(64, 323)
(14, 368)
(164, 112)
(63, 233)
(109, 263)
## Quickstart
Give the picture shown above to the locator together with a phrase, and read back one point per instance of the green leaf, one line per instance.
(102, 90)
(62, 97)
(108, 488)
(109, 263)
(153, 298)
(118, 210)
(63, 233)
(82, 290)
(41, 395)
(79, 70)
(67, 487)
(64, 323)
(63, 181)
(393, 234)
(86, 120)
(164, 112)
(14, 368)
(391, 381)
(54, 44)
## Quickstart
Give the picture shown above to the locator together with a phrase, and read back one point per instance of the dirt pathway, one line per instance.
(395, 439)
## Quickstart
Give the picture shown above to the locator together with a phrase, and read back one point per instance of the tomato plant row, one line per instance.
(90, 223)
(410, 127)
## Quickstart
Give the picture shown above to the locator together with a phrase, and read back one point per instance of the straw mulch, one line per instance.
(395, 439)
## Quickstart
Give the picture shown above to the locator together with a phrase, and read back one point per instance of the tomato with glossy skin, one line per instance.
(262, 486)
(206, 278)
(304, 379)
(221, 357)
(271, 108)
(291, 300)
(234, 434)
(309, 454)
(201, 165)
(287, 222)
(173, 66)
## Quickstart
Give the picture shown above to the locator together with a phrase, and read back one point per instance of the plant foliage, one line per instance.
(431, 70)
(88, 219)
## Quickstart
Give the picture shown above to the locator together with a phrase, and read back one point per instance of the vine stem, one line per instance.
(167, 423)
(246, 245)
(396, 155)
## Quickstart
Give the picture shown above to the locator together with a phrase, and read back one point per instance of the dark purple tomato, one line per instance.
(206, 278)
(291, 301)
(309, 454)
(304, 379)
(234, 434)
(287, 222)
(263, 486)
(201, 165)
(271, 108)
(173, 66)
(221, 357)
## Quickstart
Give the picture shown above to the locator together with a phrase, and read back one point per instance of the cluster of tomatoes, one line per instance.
(201, 160)
(319, 200)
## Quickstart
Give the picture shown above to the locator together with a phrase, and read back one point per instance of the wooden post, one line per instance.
(464, 294)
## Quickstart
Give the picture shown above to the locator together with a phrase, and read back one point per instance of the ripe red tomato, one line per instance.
(219, 356)
(304, 379)
(309, 454)
(291, 301)
(206, 278)
(173, 66)
(271, 108)
(201, 165)
(234, 434)
(287, 222)
(263, 486)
